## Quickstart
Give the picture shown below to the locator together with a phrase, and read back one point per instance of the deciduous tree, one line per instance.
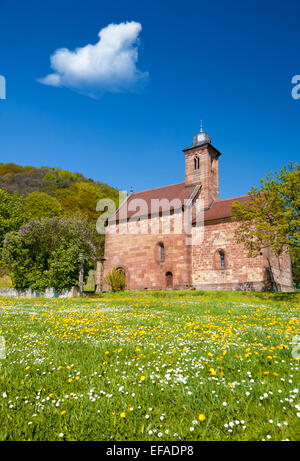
(41, 205)
(270, 218)
(12, 214)
(47, 253)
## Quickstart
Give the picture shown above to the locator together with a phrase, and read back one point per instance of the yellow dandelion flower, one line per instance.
(63, 412)
(142, 378)
(201, 417)
(123, 415)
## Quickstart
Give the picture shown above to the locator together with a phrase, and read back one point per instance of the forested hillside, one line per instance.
(47, 192)
(27, 179)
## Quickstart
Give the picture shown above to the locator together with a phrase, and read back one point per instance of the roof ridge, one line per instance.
(231, 198)
(160, 187)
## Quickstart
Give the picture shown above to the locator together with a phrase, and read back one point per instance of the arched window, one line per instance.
(196, 163)
(159, 252)
(222, 259)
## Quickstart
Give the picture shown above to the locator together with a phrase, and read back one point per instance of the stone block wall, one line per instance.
(139, 254)
(207, 175)
(263, 272)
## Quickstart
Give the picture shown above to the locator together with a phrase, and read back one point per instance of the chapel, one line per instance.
(182, 236)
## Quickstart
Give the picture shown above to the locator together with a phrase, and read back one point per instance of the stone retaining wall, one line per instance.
(48, 293)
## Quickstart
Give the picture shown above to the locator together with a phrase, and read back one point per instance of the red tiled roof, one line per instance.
(174, 191)
(222, 208)
(218, 210)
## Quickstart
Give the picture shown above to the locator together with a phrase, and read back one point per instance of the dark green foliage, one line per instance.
(46, 253)
(12, 214)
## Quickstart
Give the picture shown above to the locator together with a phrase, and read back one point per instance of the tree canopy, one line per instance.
(12, 214)
(270, 218)
(47, 192)
(47, 253)
(41, 205)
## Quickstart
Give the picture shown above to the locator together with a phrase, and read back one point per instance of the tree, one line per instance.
(47, 253)
(270, 218)
(12, 215)
(41, 205)
(80, 199)
(70, 195)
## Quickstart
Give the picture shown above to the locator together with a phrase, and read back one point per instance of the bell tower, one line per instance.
(202, 167)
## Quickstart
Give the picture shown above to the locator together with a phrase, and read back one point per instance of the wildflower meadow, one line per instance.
(150, 366)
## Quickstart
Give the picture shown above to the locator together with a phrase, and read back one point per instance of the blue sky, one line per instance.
(227, 62)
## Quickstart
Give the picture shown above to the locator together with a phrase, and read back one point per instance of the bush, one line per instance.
(116, 279)
(47, 253)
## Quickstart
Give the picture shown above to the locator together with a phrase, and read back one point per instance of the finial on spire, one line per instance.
(131, 189)
(201, 127)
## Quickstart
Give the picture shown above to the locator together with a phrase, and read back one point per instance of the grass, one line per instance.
(150, 366)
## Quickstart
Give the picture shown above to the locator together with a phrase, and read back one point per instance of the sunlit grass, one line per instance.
(150, 366)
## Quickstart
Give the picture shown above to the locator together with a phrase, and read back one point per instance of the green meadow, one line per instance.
(151, 366)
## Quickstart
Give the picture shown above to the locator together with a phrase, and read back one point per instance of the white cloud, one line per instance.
(109, 65)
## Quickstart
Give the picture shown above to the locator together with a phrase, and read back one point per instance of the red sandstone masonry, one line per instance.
(207, 175)
(196, 265)
(137, 254)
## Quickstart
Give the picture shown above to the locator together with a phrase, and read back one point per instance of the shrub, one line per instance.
(116, 279)
(46, 253)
